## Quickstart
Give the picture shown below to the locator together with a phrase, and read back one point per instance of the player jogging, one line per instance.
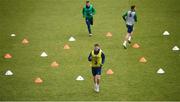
(130, 18)
(88, 12)
(97, 58)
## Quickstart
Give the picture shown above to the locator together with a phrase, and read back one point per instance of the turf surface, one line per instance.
(48, 24)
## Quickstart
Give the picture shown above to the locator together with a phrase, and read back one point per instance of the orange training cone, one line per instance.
(109, 72)
(7, 56)
(54, 64)
(142, 60)
(136, 46)
(66, 46)
(25, 41)
(109, 34)
(38, 80)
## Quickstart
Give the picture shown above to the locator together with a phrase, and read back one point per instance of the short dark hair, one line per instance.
(133, 7)
(96, 45)
(87, 1)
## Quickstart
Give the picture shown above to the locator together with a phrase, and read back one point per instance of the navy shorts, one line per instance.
(96, 71)
(89, 21)
(129, 28)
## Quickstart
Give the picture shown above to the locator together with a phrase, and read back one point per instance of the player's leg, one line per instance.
(129, 30)
(91, 23)
(129, 38)
(126, 37)
(130, 35)
(98, 77)
(91, 20)
(88, 23)
(98, 82)
(95, 82)
(94, 78)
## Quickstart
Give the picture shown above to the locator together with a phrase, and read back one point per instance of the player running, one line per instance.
(88, 12)
(97, 58)
(130, 18)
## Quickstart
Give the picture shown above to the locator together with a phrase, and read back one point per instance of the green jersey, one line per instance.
(88, 12)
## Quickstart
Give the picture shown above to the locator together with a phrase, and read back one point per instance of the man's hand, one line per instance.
(101, 65)
(90, 58)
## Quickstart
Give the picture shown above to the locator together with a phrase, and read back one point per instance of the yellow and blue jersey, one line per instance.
(97, 58)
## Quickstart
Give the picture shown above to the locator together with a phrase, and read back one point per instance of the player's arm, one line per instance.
(93, 11)
(135, 18)
(124, 16)
(90, 57)
(103, 58)
(83, 12)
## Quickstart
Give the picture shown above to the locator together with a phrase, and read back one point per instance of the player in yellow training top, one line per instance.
(97, 58)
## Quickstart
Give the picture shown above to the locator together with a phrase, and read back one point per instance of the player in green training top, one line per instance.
(130, 18)
(88, 12)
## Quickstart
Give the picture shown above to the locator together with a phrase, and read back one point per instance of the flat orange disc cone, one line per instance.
(109, 72)
(142, 60)
(25, 41)
(66, 46)
(7, 56)
(38, 80)
(54, 64)
(136, 46)
(109, 34)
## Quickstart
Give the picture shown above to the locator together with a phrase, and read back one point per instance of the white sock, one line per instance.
(125, 42)
(97, 86)
(129, 38)
(97, 89)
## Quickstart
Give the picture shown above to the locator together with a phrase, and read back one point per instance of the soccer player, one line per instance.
(97, 58)
(130, 18)
(88, 12)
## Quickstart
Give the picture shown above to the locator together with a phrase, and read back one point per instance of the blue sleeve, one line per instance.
(90, 57)
(103, 58)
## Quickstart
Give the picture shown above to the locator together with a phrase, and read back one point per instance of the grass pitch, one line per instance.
(48, 24)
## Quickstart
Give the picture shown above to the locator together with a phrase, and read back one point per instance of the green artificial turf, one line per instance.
(48, 24)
